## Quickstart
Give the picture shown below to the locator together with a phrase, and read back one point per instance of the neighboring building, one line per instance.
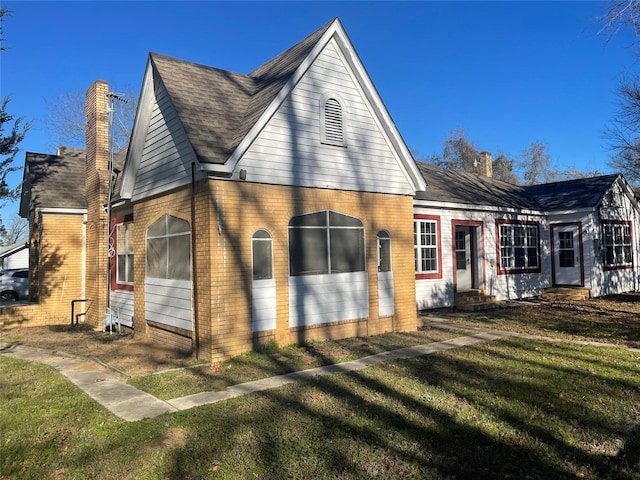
(284, 205)
(14, 256)
(510, 241)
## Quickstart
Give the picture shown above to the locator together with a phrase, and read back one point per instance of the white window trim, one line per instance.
(418, 246)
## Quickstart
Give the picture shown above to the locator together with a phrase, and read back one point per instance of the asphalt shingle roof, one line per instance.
(218, 108)
(473, 189)
(57, 181)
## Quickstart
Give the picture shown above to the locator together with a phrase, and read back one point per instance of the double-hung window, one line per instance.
(124, 245)
(426, 244)
(618, 251)
(519, 247)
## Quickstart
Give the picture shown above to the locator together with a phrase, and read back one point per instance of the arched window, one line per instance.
(332, 120)
(261, 245)
(384, 251)
(325, 243)
(169, 249)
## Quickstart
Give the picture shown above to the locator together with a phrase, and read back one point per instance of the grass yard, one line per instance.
(515, 408)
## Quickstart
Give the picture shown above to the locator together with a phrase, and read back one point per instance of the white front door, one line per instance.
(567, 258)
(464, 270)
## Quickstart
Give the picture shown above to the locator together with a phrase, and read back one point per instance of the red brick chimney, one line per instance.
(96, 185)
(486, 164)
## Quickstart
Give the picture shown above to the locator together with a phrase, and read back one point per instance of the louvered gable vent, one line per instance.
(333, 124)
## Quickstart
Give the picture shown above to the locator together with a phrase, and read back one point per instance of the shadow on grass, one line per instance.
(440, 416)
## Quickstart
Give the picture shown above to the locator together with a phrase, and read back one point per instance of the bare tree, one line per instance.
(621, 14)
(18, 231)
(623, 132)
(535, 163)
(66, 119)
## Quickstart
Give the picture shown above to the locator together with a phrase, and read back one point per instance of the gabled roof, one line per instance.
(218, 108)
(222, 112)
(574, 194)
(9, 250)
(455, 187)
(54, 181)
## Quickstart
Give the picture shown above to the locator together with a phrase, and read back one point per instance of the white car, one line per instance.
(14, 284)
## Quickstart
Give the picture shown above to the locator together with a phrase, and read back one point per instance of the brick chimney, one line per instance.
(486, 164)
(96, 185)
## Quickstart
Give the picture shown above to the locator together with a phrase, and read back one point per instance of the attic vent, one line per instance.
(332, 122)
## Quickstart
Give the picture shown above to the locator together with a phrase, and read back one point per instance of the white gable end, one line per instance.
(167, 155)
(289, 150)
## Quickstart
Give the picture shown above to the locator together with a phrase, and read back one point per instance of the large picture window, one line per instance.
(324, 243)
(169, 249)
(618, 251)
(124, 245)
(426, 246)
(519, 247)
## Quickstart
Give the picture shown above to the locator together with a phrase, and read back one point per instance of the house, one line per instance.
(14, 256)
(283, 205)
(270, 206)
(474, 232)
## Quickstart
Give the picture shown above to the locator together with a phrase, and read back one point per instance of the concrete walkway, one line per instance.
(131, 404)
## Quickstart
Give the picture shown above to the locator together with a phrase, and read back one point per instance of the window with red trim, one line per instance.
(518, 246)
(618, 250)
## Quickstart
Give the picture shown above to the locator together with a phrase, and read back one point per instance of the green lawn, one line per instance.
(515, 408)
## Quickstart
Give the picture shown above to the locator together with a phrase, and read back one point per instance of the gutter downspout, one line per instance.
(194, 264)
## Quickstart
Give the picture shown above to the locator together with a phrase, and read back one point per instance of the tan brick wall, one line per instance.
(242, 208)
(57, 266)
(228, 215)
(97, 148)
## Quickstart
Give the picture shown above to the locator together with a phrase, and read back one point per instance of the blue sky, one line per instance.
(508, 73)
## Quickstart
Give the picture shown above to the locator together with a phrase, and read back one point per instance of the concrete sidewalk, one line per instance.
(131, 404)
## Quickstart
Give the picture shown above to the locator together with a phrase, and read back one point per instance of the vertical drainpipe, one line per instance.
(194, 264)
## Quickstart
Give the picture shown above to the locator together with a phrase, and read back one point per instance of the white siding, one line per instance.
(167, 154)
(288, 151)
(615, 206)
(386, 305)
(439, 293)
(263, 306)
(122, 303)
(168, 302)
(316, 299)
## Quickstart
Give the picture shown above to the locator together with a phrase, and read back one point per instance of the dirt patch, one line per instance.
(126, 352)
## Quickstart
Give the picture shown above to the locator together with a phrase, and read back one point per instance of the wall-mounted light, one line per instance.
(243, 174)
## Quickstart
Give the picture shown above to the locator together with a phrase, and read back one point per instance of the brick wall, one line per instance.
(57, 264)
(228, 215)
(96, 182)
